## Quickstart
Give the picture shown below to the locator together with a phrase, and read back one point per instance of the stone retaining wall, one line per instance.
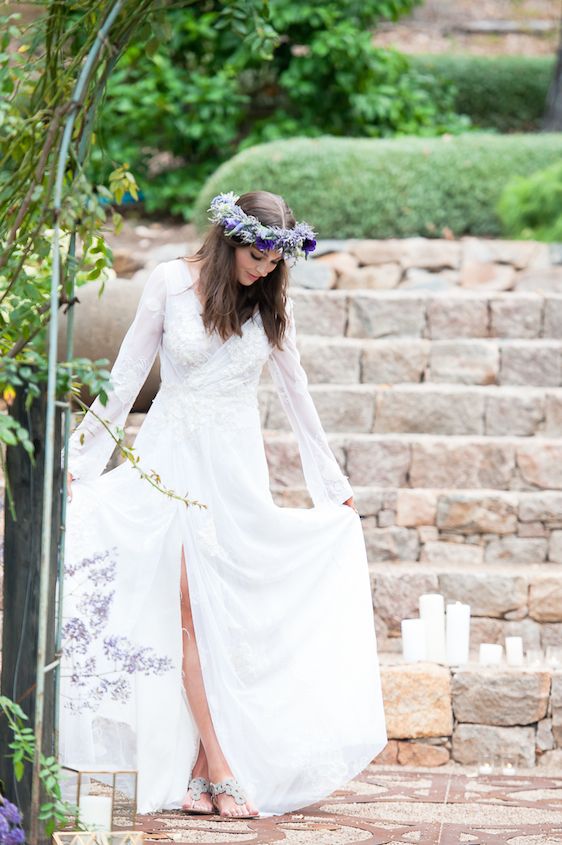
(439, 264)
(471, 714)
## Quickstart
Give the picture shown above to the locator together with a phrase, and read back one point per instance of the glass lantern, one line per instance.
(106, 798)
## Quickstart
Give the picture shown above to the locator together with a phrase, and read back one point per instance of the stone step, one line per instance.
(427, 408)
(480, 361)
(424, 460)
(504, 601)
(440, 527)
(429, 314)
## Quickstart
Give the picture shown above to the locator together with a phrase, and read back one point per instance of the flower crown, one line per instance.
(298, 241)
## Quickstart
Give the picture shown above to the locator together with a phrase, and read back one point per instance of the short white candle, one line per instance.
(458, 633)
(413, 640)
(432, 611)
(514, 650)
(485, 769)
(490, 654)
(95, 812)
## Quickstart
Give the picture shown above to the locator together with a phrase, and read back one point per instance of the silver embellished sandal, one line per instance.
(231, 787)
(197, 786)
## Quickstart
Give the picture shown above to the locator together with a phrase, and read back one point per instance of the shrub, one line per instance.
(507, 93)
(175, 114)
(368, 188)
(531, 207)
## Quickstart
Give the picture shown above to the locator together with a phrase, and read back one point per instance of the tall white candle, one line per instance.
(432, 611)
(490, 654)
(413, 640)
(458, 633)
(514, 650)
(95, 811)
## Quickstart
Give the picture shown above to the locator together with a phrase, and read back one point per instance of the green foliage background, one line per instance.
(365, 188)
(174, 115)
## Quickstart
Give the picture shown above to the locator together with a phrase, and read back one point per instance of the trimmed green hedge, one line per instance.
(507, 93)
(375, 188)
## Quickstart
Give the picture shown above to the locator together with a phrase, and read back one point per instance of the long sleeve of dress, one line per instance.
(90, 445)
(324, 478)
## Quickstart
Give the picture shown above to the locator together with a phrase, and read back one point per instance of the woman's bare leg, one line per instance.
(210, 762)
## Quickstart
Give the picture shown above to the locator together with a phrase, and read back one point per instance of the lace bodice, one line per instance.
(202, 378)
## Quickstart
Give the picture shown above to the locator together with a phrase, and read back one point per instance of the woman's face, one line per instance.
(253, 264)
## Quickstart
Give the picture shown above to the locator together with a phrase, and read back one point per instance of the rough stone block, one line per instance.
(396, 596)
(552, 316)
(457, 316)
(328, 362)
(430, 253)
(472, 743)
(487, 593)
(545, 737)
(319, 314)
(459, 554)
(540, 507)
(514, 413)
(484, 629)
(488, 275)
(429, 411)
(392, 543)
(395, 361)
(477, 512)
(530, 363)
(519, 317)
(522, 550)
(389, 754)
(382, 463)
(416, 507)
(520, 254)
(493, 697)
(376, 251)
(545, 599)
(464, 362)
(386, 315)
(462, 464)
(540, 463)
(555, 546)
(379, 277)
(417, 700)
(314, 275)
(543, 279)
(413, 753)
(553, 415)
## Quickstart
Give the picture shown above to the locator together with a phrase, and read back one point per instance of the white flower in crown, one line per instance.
(298, 241)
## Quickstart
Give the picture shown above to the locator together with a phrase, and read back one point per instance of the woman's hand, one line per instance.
(351, 504)
(69, 479)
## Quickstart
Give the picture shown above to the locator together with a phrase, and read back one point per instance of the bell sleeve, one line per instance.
(324, 479)
(90, 446)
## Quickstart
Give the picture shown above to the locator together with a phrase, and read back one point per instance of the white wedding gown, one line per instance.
(280, 596)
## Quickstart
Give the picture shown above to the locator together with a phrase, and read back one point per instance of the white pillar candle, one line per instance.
(457, 633)
(490, 654)
(413, 640)
(432, 611)
(95, 812)
(514, 650)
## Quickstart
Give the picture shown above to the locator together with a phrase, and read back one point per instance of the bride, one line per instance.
(211, 638)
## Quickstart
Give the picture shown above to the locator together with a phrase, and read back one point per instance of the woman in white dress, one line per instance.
(229, 644)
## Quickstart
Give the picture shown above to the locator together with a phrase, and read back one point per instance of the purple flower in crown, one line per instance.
(309, 245)
(265, 243)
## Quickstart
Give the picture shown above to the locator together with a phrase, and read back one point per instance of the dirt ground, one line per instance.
(444, 26)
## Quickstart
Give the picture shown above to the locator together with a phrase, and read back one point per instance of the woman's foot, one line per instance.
(198, 797)
(225, 803)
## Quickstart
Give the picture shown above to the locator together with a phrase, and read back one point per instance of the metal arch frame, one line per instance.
(46, 534)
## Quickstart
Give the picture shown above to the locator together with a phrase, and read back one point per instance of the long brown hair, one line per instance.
(227, 303)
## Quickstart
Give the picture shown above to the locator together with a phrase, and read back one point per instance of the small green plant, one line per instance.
(54, 812)
(531, 206)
